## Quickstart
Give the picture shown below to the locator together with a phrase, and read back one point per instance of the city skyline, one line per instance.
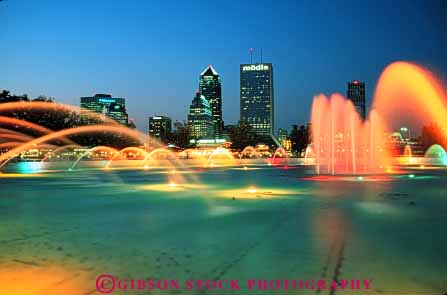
(154, 44)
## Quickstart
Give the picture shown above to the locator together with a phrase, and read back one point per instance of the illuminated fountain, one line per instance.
(109, 150)
(249, 152)
(436, 155)
(128, 153)
(159, 156)
(219, 157)
(344, 144)
(309, 155)
(280, 157)
(408, 153)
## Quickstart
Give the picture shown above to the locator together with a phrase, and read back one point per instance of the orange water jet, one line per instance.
(405, 94)
(137, 150)
(409, 94)
(72, 131)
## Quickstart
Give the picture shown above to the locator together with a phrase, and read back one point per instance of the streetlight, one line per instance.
(405, 129)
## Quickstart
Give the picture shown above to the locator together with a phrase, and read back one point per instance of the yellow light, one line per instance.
(172, 184)
(252, 190)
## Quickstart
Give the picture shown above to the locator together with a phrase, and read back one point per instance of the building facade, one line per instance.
(113, 107)
(160, 127)
(356, 93)
(256, 97)
(118, 113)
(200, 119)
(210, 87)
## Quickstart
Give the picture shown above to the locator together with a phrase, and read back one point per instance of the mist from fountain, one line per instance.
(436, 155)
(344, 144)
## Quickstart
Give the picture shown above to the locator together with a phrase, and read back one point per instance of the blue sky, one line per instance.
(152, 52)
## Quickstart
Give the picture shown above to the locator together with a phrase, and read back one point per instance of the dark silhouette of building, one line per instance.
(356, 93)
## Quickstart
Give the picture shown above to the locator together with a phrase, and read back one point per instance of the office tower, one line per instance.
(160, 127)
(256, 94)
(356, 93)
(200, 118)
(118, 113)
(210, 88)
(101, 104)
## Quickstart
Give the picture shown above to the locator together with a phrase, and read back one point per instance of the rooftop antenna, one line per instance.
(251, 55)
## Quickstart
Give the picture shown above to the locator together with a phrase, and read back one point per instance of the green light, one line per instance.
(411, 175)
(359, 177)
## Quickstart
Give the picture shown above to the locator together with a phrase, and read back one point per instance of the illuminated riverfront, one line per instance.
(72, 212)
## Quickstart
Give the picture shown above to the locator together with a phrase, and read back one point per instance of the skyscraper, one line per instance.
(101, 104)
(256, 94)
(210, 88)
(356, 93)
(118, 113)
(200, 118)
(160, 127)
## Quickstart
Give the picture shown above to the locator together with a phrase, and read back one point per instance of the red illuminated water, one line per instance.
(344, 144)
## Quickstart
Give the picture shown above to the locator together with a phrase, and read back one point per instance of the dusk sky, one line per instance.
(152, 52)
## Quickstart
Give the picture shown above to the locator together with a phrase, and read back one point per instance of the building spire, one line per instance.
(209, 71)
(252, 50)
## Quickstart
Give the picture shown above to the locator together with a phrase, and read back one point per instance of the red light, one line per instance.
(356, 82)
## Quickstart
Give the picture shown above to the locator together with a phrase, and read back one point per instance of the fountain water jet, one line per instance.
(436, 155)
(343, 144)
(111, 150)
(309, 154)
(282, 153)
(250, 152)
(4, 158)
(136, 150)
(221, 156)
(61, 148)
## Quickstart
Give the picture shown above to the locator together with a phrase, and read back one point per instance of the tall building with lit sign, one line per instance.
(256, 97)
(113, 107)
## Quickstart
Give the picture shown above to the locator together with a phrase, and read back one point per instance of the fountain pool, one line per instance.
(63, 229)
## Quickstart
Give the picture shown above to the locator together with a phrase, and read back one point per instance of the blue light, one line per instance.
(29, 167)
